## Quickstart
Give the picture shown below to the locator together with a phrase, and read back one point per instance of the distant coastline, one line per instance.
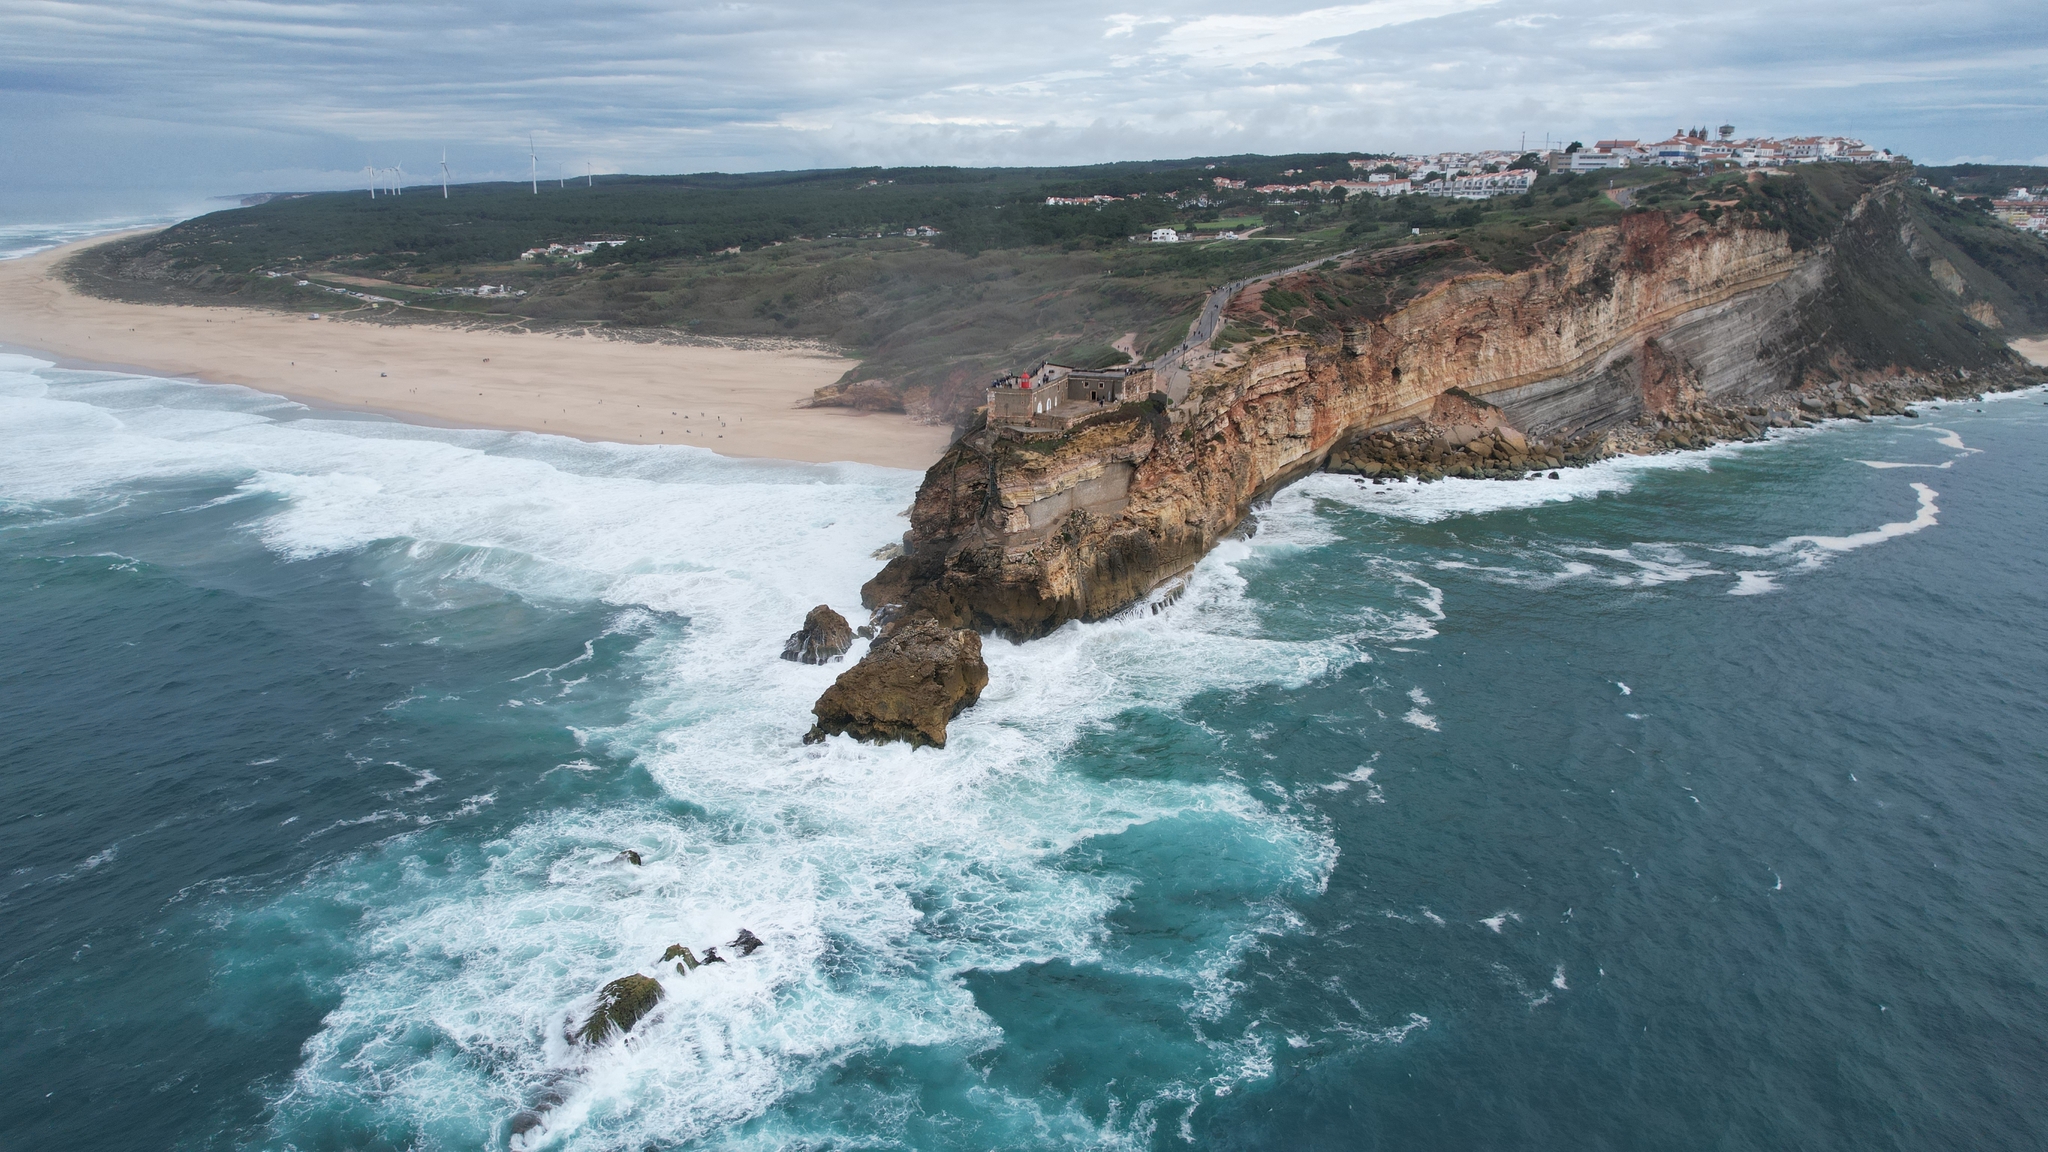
(737, 402)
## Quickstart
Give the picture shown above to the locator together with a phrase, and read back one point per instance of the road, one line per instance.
(1171, 371)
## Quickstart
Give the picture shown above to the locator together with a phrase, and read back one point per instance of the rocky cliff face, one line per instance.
(916, 677)
(1655, 316)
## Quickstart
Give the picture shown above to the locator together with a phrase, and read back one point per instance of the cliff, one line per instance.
(1657, 318)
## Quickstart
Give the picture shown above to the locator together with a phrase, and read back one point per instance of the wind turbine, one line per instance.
(370, 176)
(588, 180)
(398, 179)
(533, 164)
(444, 173)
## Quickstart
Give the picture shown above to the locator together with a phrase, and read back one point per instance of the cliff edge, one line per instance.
(1663, 319)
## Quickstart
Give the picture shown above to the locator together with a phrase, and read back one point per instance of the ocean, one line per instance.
(1695, 801)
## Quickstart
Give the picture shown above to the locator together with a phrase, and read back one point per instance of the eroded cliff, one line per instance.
(1018, 531)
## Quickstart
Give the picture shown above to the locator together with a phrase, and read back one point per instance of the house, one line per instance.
(1390, 187)
(1586, 160)
(1165, 236)
(1226, 182)
(921, 230)
(1485, 185)
(1680, 149)
(584, 248)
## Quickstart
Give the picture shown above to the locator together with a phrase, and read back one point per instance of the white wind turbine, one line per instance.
(533, 164)
(370, 175)
(444, 173)
(398, 179)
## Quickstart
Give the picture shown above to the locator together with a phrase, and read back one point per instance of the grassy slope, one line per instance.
(821, 257)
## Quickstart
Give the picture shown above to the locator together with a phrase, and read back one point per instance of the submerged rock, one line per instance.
(620, 1005)
(825, 636)
(629, 856)
(918, 676)
(746, 942)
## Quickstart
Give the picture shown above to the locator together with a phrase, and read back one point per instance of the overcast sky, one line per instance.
(111, 107)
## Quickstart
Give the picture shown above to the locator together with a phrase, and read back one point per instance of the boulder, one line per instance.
(825, 636)
(620, 1005)
(916, 677)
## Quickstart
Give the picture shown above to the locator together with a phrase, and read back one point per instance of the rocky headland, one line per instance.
(1664, 331)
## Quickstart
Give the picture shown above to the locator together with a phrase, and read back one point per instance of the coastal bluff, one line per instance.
(1628, 333)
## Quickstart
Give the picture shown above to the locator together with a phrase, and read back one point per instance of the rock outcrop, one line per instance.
(1656, 331)
(620, 1005)
(824, 637)
(915, 678)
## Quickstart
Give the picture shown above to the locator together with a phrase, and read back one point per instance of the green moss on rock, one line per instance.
(620, 1005)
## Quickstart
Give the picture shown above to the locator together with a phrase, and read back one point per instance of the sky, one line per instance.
(109, 109)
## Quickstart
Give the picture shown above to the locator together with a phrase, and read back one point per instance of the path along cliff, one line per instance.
(1663, 320)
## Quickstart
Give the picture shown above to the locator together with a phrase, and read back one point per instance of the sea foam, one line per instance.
(878, 875)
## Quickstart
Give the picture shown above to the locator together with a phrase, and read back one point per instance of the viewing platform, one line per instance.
(1057, 396)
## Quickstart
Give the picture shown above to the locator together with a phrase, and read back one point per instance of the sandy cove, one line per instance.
(736, 402)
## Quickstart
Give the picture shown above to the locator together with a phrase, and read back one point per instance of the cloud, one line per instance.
(225, 96)
(1247, 39)
(1123, 24)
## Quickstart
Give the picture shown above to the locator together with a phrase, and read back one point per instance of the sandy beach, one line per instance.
(732, 401)
(2034, 350)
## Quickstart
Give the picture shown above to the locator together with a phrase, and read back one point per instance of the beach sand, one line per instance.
(2034, 350)
(732, 401)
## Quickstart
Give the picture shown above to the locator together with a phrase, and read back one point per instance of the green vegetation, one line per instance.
(817, 256)
(1007, 279)
(1991, 181)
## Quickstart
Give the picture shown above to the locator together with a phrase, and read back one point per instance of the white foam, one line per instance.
(878, 875)
(1923, 519)
(1754, 583)
(18, 240)
(1886, 464)
(1415, 501)
(1422, 720)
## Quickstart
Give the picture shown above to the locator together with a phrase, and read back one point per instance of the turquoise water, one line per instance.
(1694, 802)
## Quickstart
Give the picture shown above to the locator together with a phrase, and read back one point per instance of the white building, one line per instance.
(1485, 185)
(1165, 236)
(1587, 160)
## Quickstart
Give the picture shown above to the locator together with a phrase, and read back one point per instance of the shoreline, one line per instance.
(733, 401)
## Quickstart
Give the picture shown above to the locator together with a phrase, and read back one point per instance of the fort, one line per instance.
(1057, 396)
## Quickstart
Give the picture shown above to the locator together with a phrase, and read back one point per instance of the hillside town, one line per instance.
(1485, 174)
(2024, 208)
